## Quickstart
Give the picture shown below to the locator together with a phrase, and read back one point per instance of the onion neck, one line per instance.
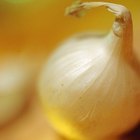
(122, 29)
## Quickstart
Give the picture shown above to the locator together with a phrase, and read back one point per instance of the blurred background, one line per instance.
(29, 31)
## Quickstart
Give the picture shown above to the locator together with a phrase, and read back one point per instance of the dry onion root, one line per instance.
(90, 87)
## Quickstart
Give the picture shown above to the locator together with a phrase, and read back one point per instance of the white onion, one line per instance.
(90, 87)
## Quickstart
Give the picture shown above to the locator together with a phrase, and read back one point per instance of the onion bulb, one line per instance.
(16, 86)
(90, 86)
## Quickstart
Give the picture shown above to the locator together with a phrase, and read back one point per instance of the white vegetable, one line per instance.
(90, 87)
(16, 87)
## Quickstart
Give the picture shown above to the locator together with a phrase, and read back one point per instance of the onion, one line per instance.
(90, 86)
(16, 86)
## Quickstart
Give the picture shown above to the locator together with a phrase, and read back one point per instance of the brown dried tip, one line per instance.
(76, 9)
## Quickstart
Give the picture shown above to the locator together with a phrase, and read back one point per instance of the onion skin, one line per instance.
(90, 87)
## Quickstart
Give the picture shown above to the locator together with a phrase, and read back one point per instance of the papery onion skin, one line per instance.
(90, 87)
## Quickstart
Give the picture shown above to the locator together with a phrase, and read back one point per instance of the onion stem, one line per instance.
(122, 26)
